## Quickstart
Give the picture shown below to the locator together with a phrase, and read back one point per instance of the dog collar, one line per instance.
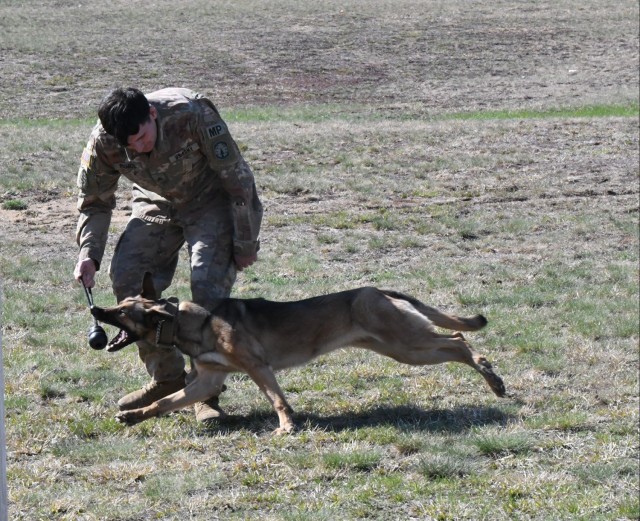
(166, 330)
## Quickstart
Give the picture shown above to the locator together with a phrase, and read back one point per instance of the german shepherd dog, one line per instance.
(258, 337)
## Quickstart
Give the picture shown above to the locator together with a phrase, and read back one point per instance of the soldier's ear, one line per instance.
(148, 290)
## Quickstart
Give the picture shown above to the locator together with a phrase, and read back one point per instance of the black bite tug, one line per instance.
(97, 336)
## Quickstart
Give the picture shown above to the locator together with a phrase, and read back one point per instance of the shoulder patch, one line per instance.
(215, 130)
(221, 150)
(87, 158)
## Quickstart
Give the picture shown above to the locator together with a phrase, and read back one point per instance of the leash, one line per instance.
(87, 292)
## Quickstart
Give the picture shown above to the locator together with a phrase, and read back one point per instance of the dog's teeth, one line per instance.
(121, 340)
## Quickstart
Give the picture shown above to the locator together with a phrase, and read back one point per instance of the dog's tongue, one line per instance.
(121, 340)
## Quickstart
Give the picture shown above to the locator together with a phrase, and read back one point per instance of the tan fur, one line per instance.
(259, 337)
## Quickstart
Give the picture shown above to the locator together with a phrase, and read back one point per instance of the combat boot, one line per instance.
(150, 393)
(209, 409)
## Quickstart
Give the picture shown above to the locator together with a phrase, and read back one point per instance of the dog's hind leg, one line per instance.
(457, 349)
(479, 363)
(440, 349)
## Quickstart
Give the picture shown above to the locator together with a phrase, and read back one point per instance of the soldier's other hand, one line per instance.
(85, 272)
(244, 261)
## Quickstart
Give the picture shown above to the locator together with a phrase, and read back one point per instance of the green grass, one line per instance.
(446, 468)
(319, 113)
(14, 204)
(355, 113)
(358, 461)
(67, 136)
(500, 444)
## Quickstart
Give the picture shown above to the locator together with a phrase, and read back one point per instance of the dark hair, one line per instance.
(121, 113)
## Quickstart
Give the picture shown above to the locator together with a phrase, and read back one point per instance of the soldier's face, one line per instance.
(144, 141)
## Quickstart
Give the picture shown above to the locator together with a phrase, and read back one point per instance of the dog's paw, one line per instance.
(128, 418)
(286, 429)
(498, 387)
(494, 381)
(496, 384)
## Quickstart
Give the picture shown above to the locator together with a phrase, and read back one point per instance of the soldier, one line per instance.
(191, 185)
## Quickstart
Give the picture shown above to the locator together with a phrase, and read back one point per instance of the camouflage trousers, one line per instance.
(151, 242)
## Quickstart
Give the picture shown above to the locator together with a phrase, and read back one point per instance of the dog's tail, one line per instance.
(439, 318)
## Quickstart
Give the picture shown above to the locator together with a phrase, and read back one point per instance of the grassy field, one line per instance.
(482, 156)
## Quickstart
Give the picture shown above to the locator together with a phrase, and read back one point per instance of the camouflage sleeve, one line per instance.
(236, 176)
(247, 208)
(97, 183)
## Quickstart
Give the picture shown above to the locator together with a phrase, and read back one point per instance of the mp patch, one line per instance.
(221, 150)
(215, 130)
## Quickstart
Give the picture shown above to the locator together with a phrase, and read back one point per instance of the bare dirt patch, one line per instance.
(434, 57)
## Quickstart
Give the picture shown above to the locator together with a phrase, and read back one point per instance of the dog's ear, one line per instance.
(157, 314)
(148, 290)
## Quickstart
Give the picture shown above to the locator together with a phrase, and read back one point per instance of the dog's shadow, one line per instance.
(405, 418)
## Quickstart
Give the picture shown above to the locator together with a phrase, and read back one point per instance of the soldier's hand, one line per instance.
(85, 272)
(244, 261)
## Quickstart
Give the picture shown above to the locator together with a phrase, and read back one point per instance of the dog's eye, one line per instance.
(122, 312)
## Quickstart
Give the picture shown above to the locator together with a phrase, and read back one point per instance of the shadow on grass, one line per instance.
(405, 418)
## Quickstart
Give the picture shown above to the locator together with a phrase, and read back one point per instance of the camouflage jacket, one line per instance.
(194, 157)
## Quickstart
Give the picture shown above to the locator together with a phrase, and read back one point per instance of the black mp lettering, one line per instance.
(215, 130)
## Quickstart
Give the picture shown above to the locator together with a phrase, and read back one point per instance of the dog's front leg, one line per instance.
(134, 416)
(196, 391)
(265, 379)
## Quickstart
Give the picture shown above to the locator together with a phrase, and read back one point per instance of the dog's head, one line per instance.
(137, 317)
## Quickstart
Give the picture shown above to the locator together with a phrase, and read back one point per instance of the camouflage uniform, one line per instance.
(194, 187)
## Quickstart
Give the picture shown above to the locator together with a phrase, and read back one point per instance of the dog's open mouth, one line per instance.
(122, 339)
